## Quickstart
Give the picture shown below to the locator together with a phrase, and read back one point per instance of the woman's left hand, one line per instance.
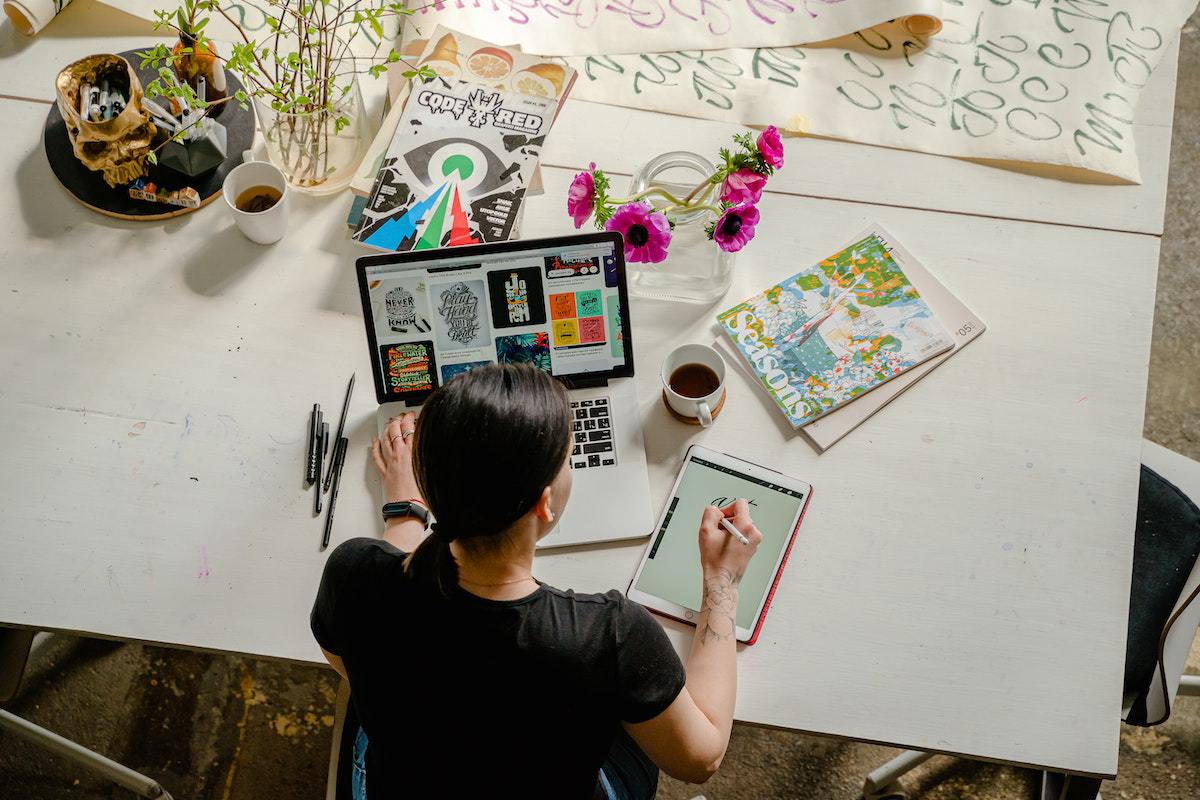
(393, 459)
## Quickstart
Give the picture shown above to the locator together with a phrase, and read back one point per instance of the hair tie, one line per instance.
(442, 532)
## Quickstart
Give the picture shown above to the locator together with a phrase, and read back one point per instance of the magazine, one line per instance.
(836, 330)
(458, 167)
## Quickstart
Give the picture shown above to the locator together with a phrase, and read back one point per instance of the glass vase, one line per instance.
(695, 270)
(315, 153)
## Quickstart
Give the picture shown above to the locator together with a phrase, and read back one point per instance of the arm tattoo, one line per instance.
(720, 604)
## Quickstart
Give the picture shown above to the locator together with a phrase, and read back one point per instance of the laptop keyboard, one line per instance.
(592, 434)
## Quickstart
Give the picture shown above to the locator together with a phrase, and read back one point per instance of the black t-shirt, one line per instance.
(464, 696)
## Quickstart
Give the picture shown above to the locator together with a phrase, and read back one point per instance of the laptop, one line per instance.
(560, 304)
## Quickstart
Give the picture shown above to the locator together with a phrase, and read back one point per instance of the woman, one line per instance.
(472, 678)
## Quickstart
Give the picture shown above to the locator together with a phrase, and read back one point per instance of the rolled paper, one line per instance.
(30, 16)
(923, 25)
(85, 94)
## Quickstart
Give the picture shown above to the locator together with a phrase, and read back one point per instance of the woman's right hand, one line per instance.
(719, 549)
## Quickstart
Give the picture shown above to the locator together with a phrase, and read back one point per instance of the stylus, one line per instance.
(339, 459)
(340, 429)
(734, 532)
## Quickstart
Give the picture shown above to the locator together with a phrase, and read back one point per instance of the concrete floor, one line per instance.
(218, 727)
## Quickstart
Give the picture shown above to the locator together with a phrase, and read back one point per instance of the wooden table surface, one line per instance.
(961, 580)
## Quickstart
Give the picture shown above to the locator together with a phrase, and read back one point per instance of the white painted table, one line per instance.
(961, 580)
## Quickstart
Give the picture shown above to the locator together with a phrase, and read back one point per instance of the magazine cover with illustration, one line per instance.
(457, 169)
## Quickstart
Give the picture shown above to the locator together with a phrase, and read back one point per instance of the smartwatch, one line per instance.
(406, 508)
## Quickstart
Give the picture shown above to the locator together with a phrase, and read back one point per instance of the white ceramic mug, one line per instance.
(264, 227)
(700, 408)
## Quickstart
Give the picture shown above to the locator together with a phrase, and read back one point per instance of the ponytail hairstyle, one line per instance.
(487, 444)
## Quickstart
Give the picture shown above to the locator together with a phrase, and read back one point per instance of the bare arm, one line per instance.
(393, 459)
(689, 739)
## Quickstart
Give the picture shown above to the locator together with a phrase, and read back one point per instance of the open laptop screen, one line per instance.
(559, 304)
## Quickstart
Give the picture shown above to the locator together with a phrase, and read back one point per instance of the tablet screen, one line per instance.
(672, 569)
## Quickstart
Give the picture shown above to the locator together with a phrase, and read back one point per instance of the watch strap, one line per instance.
(406, 508)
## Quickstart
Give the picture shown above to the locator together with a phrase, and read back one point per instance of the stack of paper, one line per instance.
(836, 342)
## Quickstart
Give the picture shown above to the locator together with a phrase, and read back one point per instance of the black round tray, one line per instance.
(89, 188)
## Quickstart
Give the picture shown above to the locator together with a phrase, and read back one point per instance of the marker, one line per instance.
(104, 100)
(310, 453)
(339, 460)
(734, 532)
(158, 112)
(340, 429)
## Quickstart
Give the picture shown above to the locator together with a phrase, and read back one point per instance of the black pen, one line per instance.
(322, 446)
(339, 459)
(310, 460)
(340, 430)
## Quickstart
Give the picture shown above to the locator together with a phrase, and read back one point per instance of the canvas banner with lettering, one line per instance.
(1026, 80)
(595, 27)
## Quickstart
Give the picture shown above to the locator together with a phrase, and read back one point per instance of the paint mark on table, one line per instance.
(204, 571)
(1081, 400)
(927, 438)
(138, 427)
(229, 424)
(187, 425)
(193, 478)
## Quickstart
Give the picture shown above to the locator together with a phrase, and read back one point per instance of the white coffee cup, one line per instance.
(264, 227)
(689, 405)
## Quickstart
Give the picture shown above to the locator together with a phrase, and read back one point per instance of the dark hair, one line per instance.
(487, 444)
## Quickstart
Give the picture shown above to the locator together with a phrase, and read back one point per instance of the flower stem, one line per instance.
(653, 190)
(706, 182)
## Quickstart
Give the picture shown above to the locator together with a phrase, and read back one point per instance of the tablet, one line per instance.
(668, 581)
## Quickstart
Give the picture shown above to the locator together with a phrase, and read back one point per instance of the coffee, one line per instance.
(694, 380)
(257, 198)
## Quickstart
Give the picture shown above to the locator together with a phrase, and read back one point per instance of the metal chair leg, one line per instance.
(883, 777)
(1189, 686)
(15, 649)
(124, 777)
